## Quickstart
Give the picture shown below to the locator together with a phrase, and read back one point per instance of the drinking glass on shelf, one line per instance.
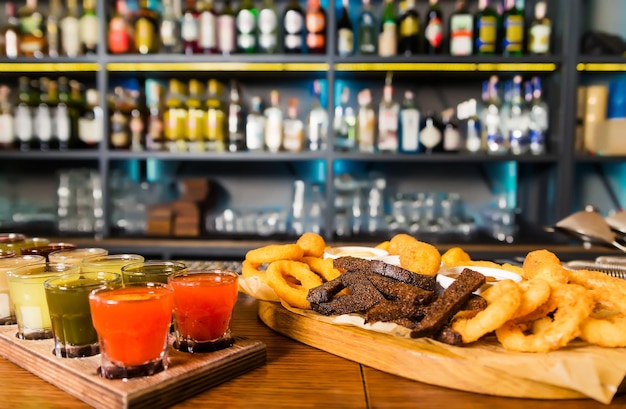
(132, 323)
(68, 303)
(27, 293)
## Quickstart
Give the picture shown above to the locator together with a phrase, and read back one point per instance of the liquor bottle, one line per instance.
(120, 37)
(540, 31)
(485, 28)
(317, 121)
(76, 104)
(53, 35)
(170, 30)
(61, 119)
(147, 39)
(460, 30)
(207, 26)
(174, 117)
(408, 28)
(119, 119)
(268, 28)
(7, 129)
(216, 126)
(89, 30)
(505, 107)
(189, 29)
(32, 39)
(388, 35)
(23, 119)
(512, 36)
(388, 117)
(196, 117)
(433, 30)
(274, 123)
(315, 23)
(70, 30)
(451, 134)
(470, 126)
(517, 126)
(137, 128)
(293, 28)
(496, 142)
(10, 34)
(431, 136)
(367, 30)
(255, 125)
(344, 123)
(91, 120)
(246, 25)
(539, 119)
(293, 128)
(366, 122)
(42, 125)
(409, 124)
(226, 29)
(345, 33)
(236, 126)
(155, 137)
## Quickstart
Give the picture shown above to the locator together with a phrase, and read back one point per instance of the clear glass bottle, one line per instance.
(539, 119)
(388, 35)
(236, 125)
(196, 117)
(317, 121)
(216, 116)
(7, 129)
(64, 123)
(486, 22)
(91, 120)
(255, 126)
(471, 130)
(293, 134)
(169, 30)
(431, 135)
(207, 26)
(460, 28)
(268, 28)
(540, 31)
(274, 123)
(43, 118)
(517, 127)
(246, 23)
(293, 28)
(409, 124)
(89, 28)
(388, 118)
(433, 29)
(344, 123)
(70, 30)
(367, 30)
(10, 34)
(366, 122)
(155, 138)
(23, 119)
(451, 134)
(496, 142)
(345, 33)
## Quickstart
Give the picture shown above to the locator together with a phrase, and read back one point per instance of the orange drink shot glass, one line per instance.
(203, 307)
(133, 325)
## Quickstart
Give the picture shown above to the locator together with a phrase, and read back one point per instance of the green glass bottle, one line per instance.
(388, 36)
(485, 28)
(512, 34)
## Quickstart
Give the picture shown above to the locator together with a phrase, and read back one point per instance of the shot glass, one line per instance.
(111, 262)
(204, 301)
(133, 324)
(151, 271)
(13, 241)
(76, 255)
(7, 313)
(68, 302)
(45, 250)
(29, 298)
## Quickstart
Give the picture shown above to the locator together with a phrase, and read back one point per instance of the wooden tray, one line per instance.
(186, 376)
(486, 368)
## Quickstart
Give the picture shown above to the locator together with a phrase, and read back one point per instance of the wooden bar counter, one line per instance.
(295, 376)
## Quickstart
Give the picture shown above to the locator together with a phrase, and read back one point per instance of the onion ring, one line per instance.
(248, 269)
(545, 265)
(280, 275)
(535, 293)
(322, 267)
(312, 244)
(573, 303)
(274, 252)
(503, 299)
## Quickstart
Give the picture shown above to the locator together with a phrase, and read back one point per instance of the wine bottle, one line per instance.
(367, 30)
(146, 29)
(268, 28)
(512, 36)
(89, 28)
(189, 28)
(315, 22)
(169, 30)
(433, 30)
(207, 28)
(227, 32)
(408, 28)
(388, 35)
(460, 30)
(293, 28)
(540, 31)
(345, 35)
(485, 28)
(409, 124)
(246, 23)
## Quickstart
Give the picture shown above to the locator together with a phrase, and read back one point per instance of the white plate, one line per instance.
(368, 253)
(446, 276)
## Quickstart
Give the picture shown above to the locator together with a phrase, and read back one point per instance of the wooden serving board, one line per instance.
(485, 368)
(186, 376)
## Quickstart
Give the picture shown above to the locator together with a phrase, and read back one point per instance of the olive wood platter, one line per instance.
(485, 367)
(187, 374)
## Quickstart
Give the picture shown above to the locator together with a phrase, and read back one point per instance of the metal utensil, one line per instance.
(621, 260)
(589, 226)
(617, 222)
(613, 270)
